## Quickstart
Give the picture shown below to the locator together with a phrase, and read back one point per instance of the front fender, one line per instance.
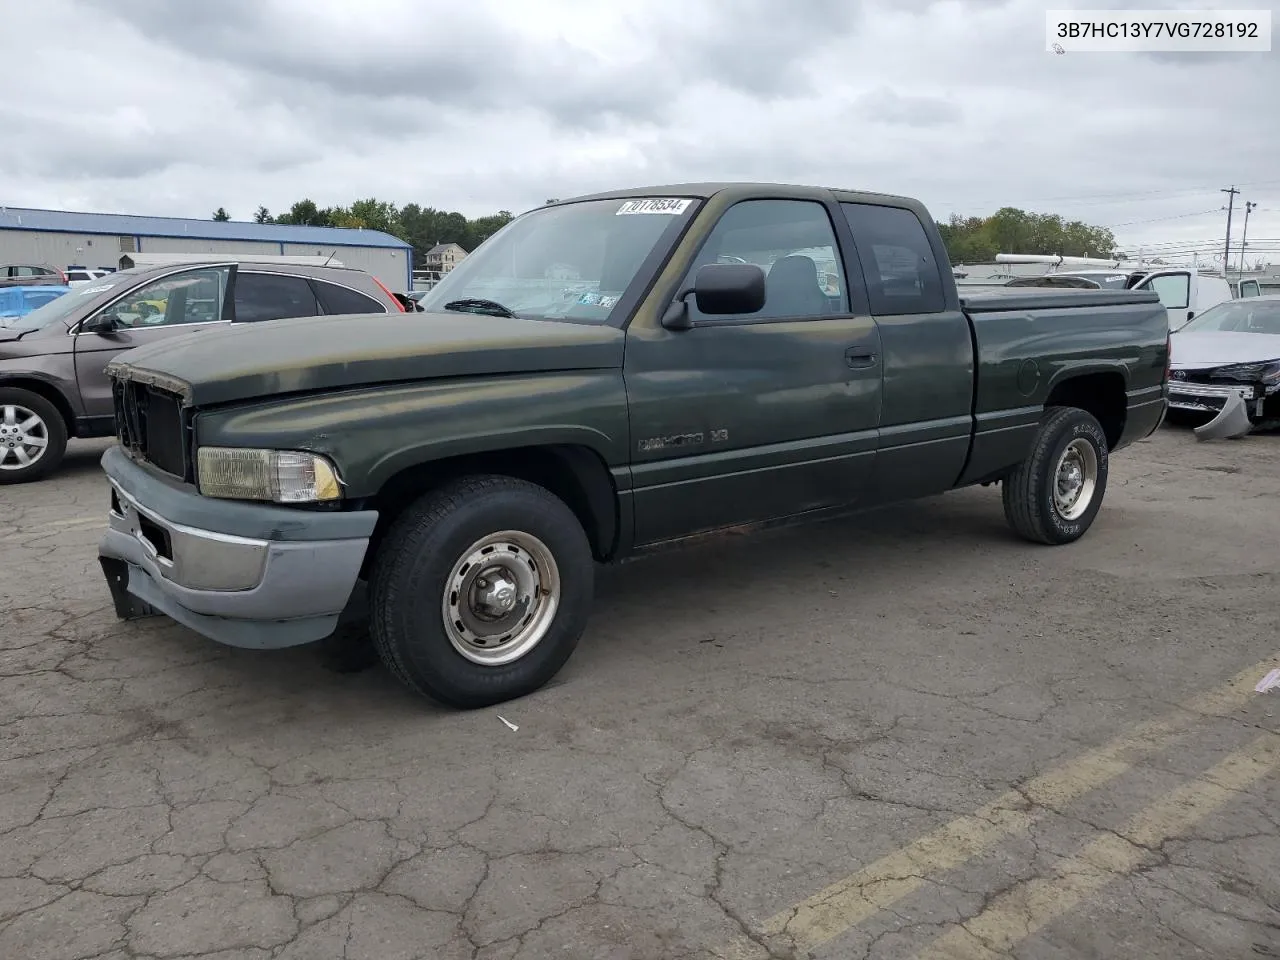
(373, 434)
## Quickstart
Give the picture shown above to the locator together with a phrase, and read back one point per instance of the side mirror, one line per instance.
(101, 323)
(719, 289)
(725, 288)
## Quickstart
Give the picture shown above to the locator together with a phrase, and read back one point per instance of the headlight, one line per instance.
(1268, 371)
(284, 476)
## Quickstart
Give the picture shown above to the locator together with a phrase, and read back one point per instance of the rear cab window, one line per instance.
(897, 259)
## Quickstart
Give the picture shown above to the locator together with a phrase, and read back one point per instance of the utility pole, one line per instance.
(1226, 253)
(1244, 235)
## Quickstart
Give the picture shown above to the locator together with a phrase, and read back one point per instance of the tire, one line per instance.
(449, 649)
(43, 425)
(1030, 504)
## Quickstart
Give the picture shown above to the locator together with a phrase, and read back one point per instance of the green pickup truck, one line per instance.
(603, 377)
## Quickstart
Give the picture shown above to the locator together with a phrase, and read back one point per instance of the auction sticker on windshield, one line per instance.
(668, 205)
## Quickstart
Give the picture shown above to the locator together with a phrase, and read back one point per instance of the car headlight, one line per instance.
(1268, 371)
(283, 476)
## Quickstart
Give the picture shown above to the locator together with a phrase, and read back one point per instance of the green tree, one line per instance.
(221, 215)
(1011, 230)
(421, 227)
(482, 228)
(263, 215)
(305, 213)
(374, 214)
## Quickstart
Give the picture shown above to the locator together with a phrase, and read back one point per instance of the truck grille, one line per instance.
(150, 424)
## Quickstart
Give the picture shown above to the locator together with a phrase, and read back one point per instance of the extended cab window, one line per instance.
(336, 299)
(795, 244)
(273, 296)
(898, 262)
(192, 297)
(573, 261)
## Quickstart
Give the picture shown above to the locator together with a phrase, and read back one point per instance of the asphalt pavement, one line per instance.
(903, 735)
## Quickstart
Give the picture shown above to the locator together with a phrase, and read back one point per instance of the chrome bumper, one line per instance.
(260, 591)
(1210, 398)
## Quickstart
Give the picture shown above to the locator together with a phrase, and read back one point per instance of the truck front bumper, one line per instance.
(243, 574)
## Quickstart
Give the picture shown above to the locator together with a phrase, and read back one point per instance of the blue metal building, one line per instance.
(62, 238)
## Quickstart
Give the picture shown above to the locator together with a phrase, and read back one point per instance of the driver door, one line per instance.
(178, 303)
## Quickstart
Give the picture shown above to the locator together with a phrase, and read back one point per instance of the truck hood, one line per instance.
(1217, 348)
(246, 361)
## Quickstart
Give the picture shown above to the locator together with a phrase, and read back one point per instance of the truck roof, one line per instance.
(708, 189)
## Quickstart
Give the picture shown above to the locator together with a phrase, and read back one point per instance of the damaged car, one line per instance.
(1230, 352)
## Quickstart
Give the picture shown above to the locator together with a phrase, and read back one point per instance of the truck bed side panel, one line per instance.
(1030, 343)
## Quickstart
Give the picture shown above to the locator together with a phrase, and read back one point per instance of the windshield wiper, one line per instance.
(480, 305)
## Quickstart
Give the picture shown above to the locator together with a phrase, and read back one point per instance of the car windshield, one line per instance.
(566, 262)
(66, 305)
(1237, 316)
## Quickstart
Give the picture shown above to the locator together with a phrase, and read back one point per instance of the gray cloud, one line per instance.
(887, 106)
(467, 57)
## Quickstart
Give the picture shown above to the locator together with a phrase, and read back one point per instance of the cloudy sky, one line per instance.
(175, 107)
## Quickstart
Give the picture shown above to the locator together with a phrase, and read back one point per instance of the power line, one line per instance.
(1125, 196)
(1176, 216)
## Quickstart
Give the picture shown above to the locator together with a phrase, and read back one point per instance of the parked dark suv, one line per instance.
(53, 383)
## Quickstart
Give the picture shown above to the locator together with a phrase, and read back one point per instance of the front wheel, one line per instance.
(1054, 495)
(33, 436)
(481, 590)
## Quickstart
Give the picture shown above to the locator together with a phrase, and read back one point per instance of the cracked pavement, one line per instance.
(902, 698)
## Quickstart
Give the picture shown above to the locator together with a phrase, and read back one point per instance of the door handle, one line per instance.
(859, 356)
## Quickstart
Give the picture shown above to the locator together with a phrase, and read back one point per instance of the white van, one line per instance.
(1185, 293)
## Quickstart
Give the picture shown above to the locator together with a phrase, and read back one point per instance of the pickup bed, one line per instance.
(603, 377)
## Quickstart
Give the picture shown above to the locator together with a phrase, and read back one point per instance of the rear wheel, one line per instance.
(481, 590)
(1054, 495)
(33, 436)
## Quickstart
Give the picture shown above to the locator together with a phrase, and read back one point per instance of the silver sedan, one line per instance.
(1230, 350)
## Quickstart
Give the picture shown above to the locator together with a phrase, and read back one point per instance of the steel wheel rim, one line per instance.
(1075, 479)
(501, 598)
(24, 437)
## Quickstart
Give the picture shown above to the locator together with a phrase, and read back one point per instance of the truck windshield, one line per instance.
(568, 262)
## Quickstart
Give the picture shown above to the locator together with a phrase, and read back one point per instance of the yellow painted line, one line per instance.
(850, 901)
(1022, 910)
